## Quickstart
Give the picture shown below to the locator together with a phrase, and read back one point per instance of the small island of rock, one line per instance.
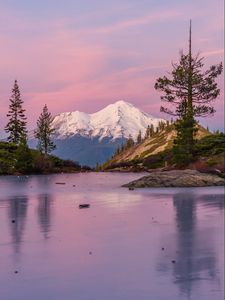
(177, 178)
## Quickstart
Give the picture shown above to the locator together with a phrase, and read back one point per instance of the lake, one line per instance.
(159, 244)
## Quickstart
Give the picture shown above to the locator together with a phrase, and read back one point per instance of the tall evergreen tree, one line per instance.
(161, 126)
(139, 137)
(191, 91)
(130, 142)
(45, 131)
(147, 133)
(16, 126)
(152, 130)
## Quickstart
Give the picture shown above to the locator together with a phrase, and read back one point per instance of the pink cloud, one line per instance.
(70, 67)
(154, 17)
(217, 52)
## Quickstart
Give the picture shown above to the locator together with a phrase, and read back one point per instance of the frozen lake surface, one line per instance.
(153, 244)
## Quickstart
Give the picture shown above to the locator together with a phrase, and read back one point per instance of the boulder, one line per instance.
(177, 178)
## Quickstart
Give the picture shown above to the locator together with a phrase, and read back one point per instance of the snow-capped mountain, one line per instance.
(93, 138)
(118, 120)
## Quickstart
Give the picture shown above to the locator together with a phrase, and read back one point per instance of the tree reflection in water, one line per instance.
(193, 249)
(17, 218)
(191, 261)
(44, 213)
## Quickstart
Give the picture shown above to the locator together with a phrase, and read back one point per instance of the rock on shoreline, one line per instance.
(177, 178)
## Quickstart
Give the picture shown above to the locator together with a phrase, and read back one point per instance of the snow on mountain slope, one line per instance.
(117, 120)
(71, 123)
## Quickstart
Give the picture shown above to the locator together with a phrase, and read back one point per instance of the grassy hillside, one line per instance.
(156, 152)
(14, 160)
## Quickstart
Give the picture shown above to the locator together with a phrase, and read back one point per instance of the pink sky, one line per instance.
(81, 57)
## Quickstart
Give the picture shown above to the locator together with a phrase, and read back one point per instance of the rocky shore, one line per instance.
(177, 178)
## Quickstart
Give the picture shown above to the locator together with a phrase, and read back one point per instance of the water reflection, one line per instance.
(44, 213)
(213, 200)
(17, 219)
(193, 249)
(126, 241)
(191, 262)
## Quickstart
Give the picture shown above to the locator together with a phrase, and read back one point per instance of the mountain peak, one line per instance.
(117, 120)
(122, 103)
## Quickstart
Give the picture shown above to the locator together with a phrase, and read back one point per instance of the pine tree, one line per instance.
(130, 142)
(139, 137)
(16, 126)
(161, 126)
(191, 91)
(152, 130)
(44, 132)
(147, 133)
